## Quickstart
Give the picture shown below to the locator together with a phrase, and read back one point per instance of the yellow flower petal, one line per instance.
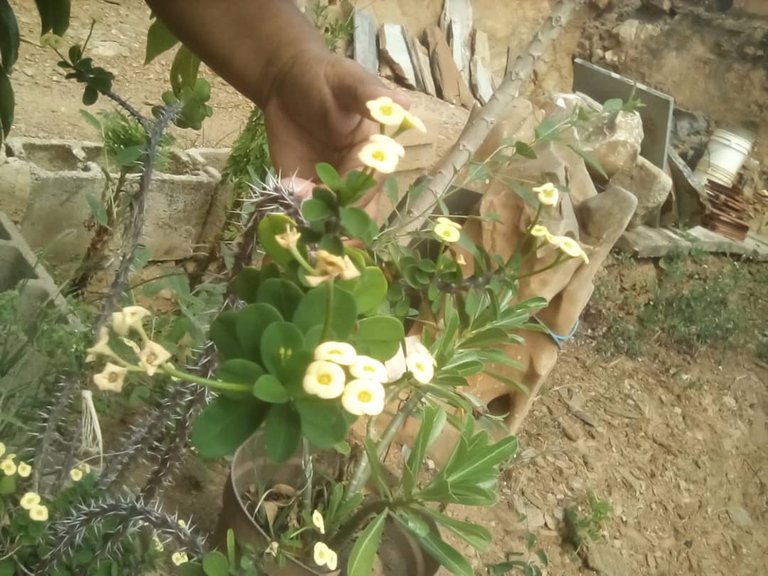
(446, 233)
(23, 469)
(413, 121)
(110, 379)
(129, 318)
(8, 467)
(385, 111)
(368, 368)
(179, 558)
(339, 352)
(289, 238)
(324, 379)
(76, 474)
(317, 520)
(421, 366)
(39, 513)
(449, 222)
(2, 448)
(548, 194)
(570, 247)
(385, 140)
(29, 500)
(152, 356)
(363, 397)
(380, 157)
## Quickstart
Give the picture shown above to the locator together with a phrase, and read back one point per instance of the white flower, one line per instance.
(324, 379)
(129, 318)
(76, 474)
(385, 140)
(317, 520)
(110, 379)
(152, 356)
(289, 238)
(179, 558)
(447, 232)
(39, 513)
(273, 548)
(421, 367)
(412, 121)
(380, 157)
(29, 500)
(23, 469)
(385, 111)
(397, 366)
(368, 368)
(324, 556)
(101, 348)
(363, 397)
(329, 265)
(570, 247)
(339, 352)
(8, 466)
(548, 194)
(540, 231)
(449, 222)
(84, 467)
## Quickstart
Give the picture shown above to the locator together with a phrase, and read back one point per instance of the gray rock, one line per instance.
(480, 68)
(394, 51)
(739, 516)
(649, 183)
(420, 59)
(456, 21)
(364, 41)
(606, 561)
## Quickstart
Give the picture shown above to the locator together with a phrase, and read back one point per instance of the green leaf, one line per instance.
(282, 432)
(184, 70)
(250, 325)
(7, 484)
(323, 422)
(98, 211)
(369, 290)
(282, 352)
(159, 39)
(7, 568)
(323, 300)
(270, 389)
(91, 120)
(7, 104)
(90, 95)
(54, 16)
(191, 569)
(239, 371)
(314, 210)
(613, 105)
(129, 155)
(357, 223)
(477, 536)
(377, 469)
(432, 422)
(444, 553)
(247, 284)
(329, 176)
(390, 189)
(225, 424)
(547, 130)
(379, 337)
(283, 294)
(223, 332)
(9, 36)
(525, 150)
(215, 564)
(270, 227)
(367, 545)
(356, 184)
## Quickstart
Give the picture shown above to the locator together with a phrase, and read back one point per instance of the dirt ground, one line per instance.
(678, 445)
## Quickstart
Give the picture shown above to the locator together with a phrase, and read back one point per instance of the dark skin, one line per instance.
(313, 101)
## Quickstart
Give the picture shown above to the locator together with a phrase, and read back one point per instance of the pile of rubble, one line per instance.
(450, 61)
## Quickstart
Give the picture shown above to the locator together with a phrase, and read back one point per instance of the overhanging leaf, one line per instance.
(54, 16)
(9, 36)
(225, 424)
(378, 337)
(282, 432)
(184, 70)
(159, 39)
(323, 422)
(370, 290)
(367, 545)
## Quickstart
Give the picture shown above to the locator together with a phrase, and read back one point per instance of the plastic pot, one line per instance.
(399, 554)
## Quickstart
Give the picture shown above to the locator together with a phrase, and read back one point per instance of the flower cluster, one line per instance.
(9, 466)
(151, 356)
(77, 473)
(549, 195)
(323, 555)
(382, 153)
(30, 501)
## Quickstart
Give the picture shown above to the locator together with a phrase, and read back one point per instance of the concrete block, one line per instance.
(649, 183)
(15, 183)
(364, 41)
(393, 44)
(456, 20)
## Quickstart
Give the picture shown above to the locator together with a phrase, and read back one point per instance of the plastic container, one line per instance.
(725, 155)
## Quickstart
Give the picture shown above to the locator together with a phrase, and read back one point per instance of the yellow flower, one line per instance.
(289, 238)
(449, 222)
(339, 352)
(385, 140)
(570, 247)
(324, 379)
(548, 194)
(29, 500)
(363, 397)
(368, 368)
(129, 318)
(8, 466)
(84, 467)
(329, 266)
(421, 366)
(317, 520)
(2, 448)
(540, 231)
(412, 121)
(39, 513)
(101, 348)
(153, 356)
(448, 232)
(181, 523)
(324, 556)
(179, 558)
(381, 157)
(385, 111)
(110, 379)
(23, 469)
(76, 474)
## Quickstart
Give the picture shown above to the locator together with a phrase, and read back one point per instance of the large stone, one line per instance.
(420, 60)
(15, 183)
(393, 44)
(649, 183)
(456, 21)
(364, 41)
(449, 84)
(480, 68)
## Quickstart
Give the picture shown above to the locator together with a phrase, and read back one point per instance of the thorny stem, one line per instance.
(214, 384)
(363, 471)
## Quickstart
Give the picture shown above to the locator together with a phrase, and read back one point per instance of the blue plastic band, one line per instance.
(557, 338)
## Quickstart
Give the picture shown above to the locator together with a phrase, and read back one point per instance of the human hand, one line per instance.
(315, 112)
